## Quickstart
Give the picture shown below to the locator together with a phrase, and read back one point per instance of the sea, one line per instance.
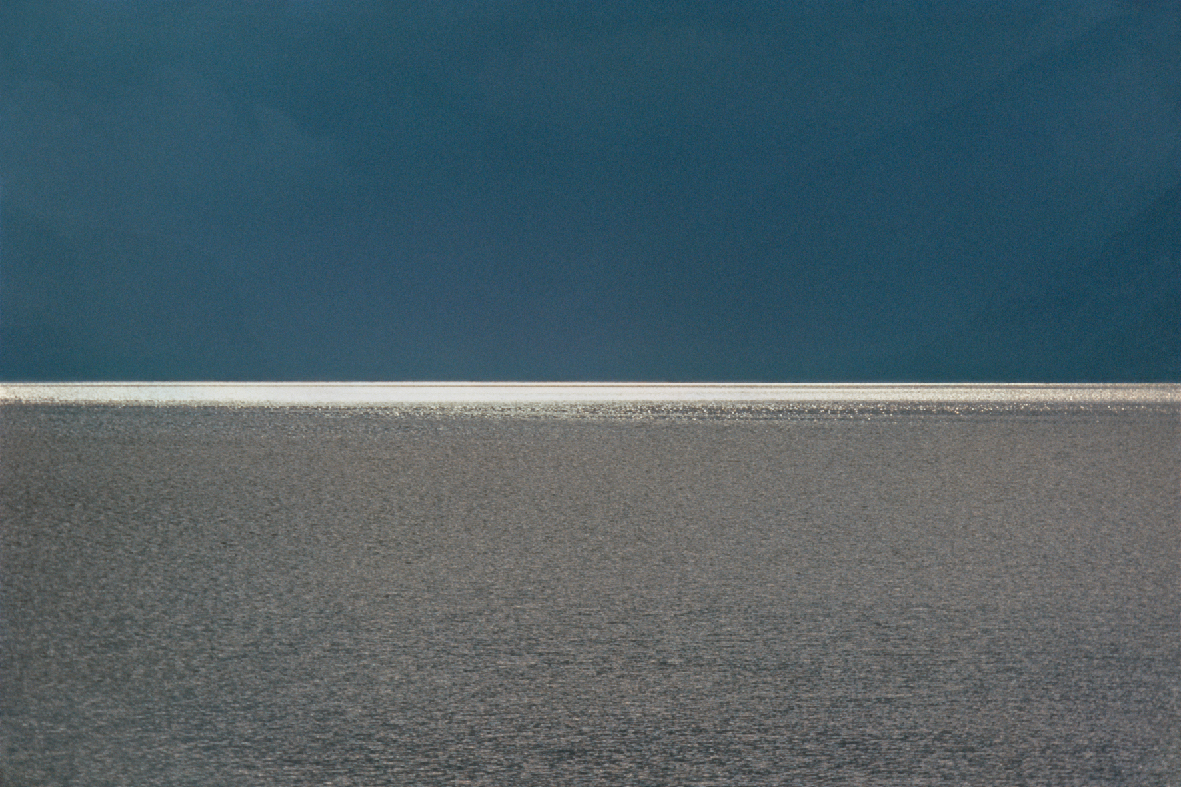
(597, 585)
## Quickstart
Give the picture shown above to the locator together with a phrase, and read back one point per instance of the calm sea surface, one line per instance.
(649, 595)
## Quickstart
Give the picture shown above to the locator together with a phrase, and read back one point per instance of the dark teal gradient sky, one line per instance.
(516, 190)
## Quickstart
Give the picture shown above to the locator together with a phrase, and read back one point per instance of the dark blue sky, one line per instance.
(577, 190)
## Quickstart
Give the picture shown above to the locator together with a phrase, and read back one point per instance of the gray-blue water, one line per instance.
(784, 595)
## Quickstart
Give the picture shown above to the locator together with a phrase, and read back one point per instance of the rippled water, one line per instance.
(904, 594)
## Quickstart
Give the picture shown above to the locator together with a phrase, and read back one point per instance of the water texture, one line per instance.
(662, 596)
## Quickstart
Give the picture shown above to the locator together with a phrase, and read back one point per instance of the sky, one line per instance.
(607, 190)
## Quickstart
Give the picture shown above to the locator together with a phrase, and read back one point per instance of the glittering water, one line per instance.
(659, 593)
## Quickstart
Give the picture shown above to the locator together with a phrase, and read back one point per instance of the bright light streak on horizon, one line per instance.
(325, 394)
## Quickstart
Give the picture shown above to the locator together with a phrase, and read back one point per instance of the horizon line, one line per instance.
(327, 393)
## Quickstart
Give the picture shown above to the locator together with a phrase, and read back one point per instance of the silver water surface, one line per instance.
(652, 595)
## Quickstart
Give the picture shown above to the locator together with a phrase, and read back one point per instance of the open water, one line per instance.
(645, 595)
